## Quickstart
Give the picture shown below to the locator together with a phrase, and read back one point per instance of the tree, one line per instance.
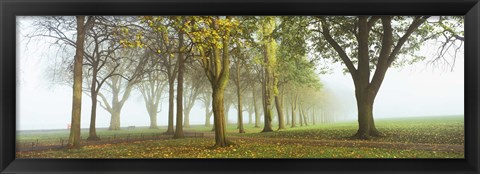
(269, 49)
(236, 78)
(211, 36)
(159, 35)
(82, 27)
(371, 43)
(195, 81)
(206, 98)
(449, 34)
(130, 72)
(181, 71)
(151, 88)
(101, 46)
(292, 67)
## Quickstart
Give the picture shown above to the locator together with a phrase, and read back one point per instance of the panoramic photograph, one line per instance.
(240, 87)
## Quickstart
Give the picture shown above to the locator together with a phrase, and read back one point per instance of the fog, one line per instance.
(421, 89)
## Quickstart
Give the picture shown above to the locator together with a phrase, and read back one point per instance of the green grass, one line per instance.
(432, 130)
(201, 148)
(446, 130)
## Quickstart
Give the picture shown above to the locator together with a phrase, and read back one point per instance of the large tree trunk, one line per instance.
(267, 94)
(181, 70)
(115, 118)
(218, 79)
(153, 121)
(117, 106)
(171, 97)
(365, 116)
(267, 108)
(218, 117)
(279, 106)
(268, 81)
(74, 139)
(153, 109)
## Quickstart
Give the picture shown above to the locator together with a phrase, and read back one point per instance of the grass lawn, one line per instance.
(303, 142)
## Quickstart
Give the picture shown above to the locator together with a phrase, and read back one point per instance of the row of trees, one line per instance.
(272, 57)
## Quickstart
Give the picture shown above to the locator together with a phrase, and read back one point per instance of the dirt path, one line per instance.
(357, 143)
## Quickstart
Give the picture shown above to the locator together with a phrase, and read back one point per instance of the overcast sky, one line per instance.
(416, 90)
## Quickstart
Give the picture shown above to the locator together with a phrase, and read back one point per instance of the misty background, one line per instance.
(421, 89)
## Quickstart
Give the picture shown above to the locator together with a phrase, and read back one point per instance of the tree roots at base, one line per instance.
(94, 138)
(367, 136)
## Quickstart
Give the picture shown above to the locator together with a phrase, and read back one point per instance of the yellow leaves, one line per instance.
(139, 44)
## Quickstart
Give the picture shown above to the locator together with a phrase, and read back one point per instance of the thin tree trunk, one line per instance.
(313, 116)
(171, 98)
(208, 112)
(92, 134)
(207, 117)
(305, 117)
(239, 101)
(181, 69)
(300, 115)
(293, 115)
(287, 116)
(279, 106)
(255, 108)
(227, 108)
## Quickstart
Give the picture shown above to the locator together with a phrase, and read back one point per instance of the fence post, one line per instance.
(32, 145)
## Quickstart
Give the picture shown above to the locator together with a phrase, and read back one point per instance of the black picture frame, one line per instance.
(11, 8)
